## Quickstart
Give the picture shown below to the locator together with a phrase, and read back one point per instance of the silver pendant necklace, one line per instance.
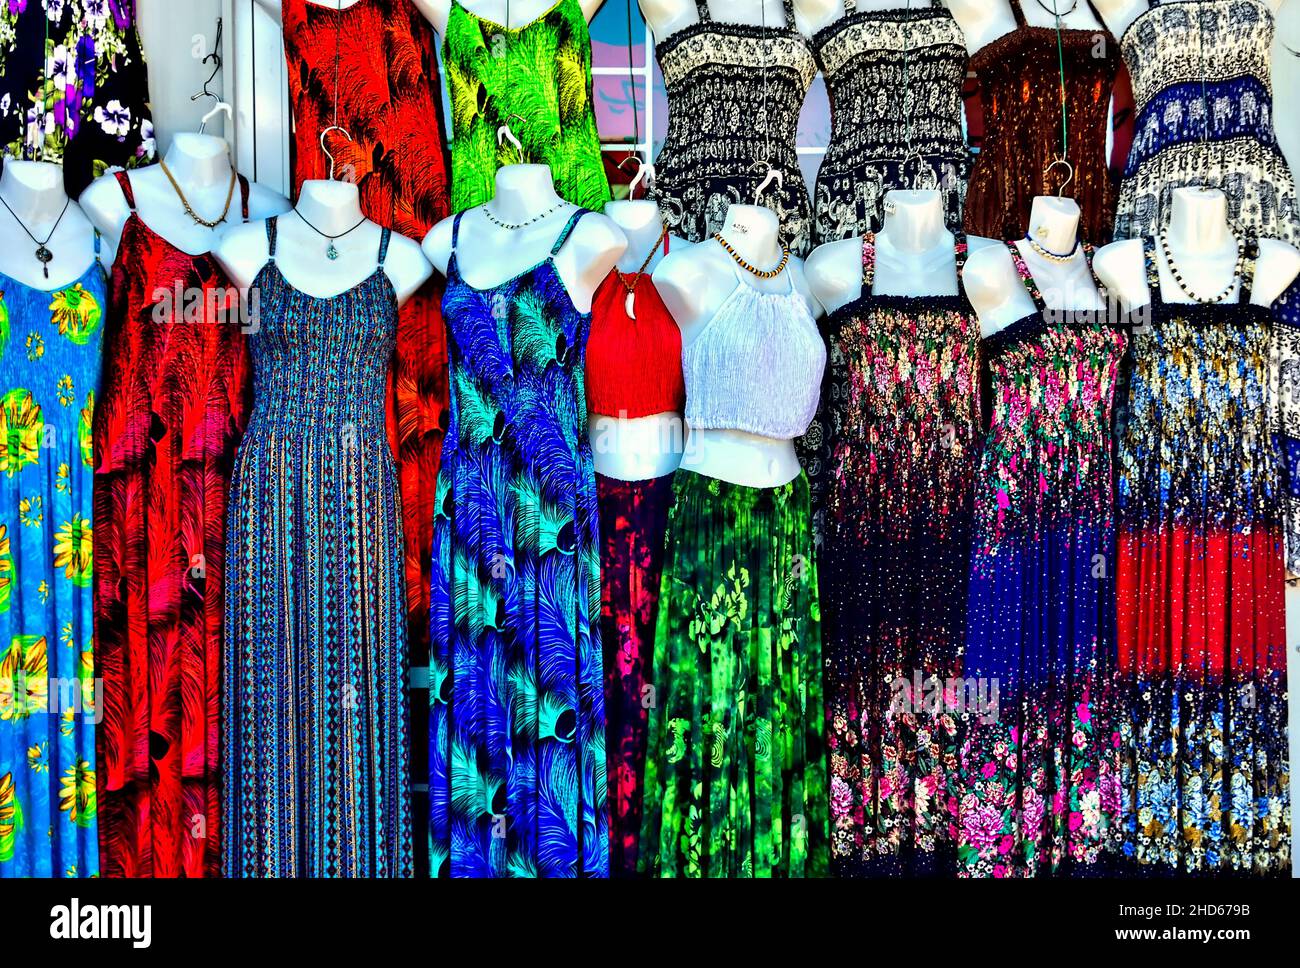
(331, 252)
(43, 254)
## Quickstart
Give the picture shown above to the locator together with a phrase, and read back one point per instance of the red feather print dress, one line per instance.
(174, 402)
(387, 96)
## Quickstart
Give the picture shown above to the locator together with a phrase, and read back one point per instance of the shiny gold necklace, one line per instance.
(189, 210)
(760, 273)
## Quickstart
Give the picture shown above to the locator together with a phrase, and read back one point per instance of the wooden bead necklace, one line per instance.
(760, 273)
(1178, 276)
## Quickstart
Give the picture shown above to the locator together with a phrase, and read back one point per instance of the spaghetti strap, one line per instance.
(960, 248)
(566, 231)
(1152, 269)
(98, 246)
(455, 231)
(702, 11)
(850, 7)
(384, 238)
(1248, 270)
(243, 196)
(1026, 277)
(787, 6)
(128, 192)
(868, 262)
(1018, 13)
(272, 225)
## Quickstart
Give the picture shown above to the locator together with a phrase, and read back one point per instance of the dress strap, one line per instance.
(1026, 277)
(272, 226)
(243, 196)
(566, 231)
(98, 245)
(455, 231)
(850, 7)
(960, 249)
(787, 6)
(1248, 269)
(868, 262)
(1152, 269)
(702, 10)
(1019, 14)
(384, 238)
(127, 191)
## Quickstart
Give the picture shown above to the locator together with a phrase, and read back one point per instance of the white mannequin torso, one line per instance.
(984, 21)
(666, 17)
(1120, 15)
(638, 448)
(914, 255)
(333, 207)
(34, 191)
(521, 12)
(996, 290)
(488, 255)
(1206, 252)
(694, 285)
(201, 164)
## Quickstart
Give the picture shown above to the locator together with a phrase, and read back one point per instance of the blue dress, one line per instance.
(315, 733)
(49, 374)
(517, 718)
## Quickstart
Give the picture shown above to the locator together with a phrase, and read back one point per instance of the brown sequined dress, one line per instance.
(1020, 87)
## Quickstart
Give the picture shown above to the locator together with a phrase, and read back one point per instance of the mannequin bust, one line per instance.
(694, 285)
(1205, 249)
(1120, 15)
(521, 12)
(996, 290)
(34, 192)
(637, 448)
(201, 164)
(914, 254)
(666, 17)
(984, 21)
(333, 207)
(491, 255)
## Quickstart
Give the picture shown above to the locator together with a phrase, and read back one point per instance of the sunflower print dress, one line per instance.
(49, 373)
(536, 79)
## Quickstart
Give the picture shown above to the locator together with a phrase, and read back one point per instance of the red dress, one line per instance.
(174, 401)
(389, 101)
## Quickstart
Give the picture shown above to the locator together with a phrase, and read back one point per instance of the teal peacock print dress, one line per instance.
(49, 374)
(516, 687)
(536, 79)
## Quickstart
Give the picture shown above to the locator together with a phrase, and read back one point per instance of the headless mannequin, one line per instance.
(521, 12)
(333, 207)
(694, 285)
(984, 21)
(489, 255)
(1119, 15)
(996, 290)
(666, 17)
(914, 254)
(201, 164)
(1206, 252)
(637, 448)
(34, 190)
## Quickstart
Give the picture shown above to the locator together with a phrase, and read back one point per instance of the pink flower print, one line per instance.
(1079, 739)
(1042, 483)
(982, 827)
(1083, 713)
(1032, 814)
(1058, 803)
(989, 769)
(841, 797)
(1004, 500)
(1005, 844)
(999, 870)
(1076, 821)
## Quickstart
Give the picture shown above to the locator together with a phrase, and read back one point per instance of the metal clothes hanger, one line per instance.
(219, 105)
(323, 148)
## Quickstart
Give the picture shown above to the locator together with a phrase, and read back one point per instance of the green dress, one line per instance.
(537, 79)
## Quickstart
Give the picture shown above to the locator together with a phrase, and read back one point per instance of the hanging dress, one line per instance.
(517, 725)
(389, 100)
(903, 405)
(175, 399)
(634, 369)
(734, 96)
(1039, 789)
(1202, 636)
(536, 79)
(1204, 100)
(49, 374)
(735, 779)
(894, 79)
(315, 737)
(85, 56)
(1019, 75)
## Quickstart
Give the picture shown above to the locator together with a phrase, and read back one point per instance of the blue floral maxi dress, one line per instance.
(49, 374)
(1039, 765)
(517, 724)
(315, 731)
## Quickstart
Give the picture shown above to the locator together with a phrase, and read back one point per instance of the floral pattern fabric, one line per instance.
(49, 375)
(902, 415)
(735, 782)
(537, 80)
(74, 88)
(1039, 785)
(1202, 632)
(517, 784)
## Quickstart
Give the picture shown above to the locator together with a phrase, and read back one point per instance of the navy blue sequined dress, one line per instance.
(314, 708)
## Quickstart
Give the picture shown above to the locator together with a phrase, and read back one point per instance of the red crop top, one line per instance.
(634, 366)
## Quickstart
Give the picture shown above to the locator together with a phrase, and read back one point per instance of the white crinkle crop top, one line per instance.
(756, 365)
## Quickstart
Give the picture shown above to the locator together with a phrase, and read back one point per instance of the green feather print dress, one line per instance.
(536, 79)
